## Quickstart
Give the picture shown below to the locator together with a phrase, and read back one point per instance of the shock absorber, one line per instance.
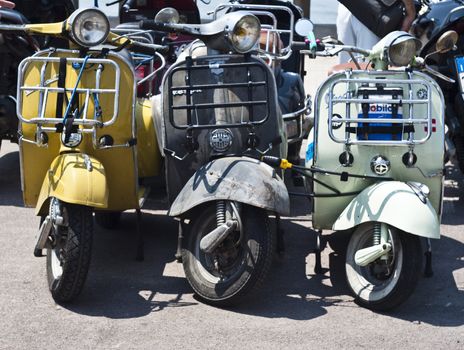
(377, 233)
(220, 212)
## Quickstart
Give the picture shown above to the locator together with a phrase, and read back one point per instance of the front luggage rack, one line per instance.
(254, 109)
(384, 94)
(88, 118)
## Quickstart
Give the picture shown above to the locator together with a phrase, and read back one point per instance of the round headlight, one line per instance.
(245, 33)
(401, 52)
(89, 27)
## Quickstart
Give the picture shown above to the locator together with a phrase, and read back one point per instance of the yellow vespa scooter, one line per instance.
(86, 141)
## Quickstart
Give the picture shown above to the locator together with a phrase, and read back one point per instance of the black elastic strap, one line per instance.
(394, 129)
(61, 84)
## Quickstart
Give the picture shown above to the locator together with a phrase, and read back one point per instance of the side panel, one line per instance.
(77, 179)
(238, 179)
(148, 153)
(428, 169)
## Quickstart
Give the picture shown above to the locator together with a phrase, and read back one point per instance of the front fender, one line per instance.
(239, 179)
(394, 203)
(74, 178)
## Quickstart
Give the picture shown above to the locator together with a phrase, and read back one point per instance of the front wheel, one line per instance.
(68, 259)
(237, 266)
(389, 280)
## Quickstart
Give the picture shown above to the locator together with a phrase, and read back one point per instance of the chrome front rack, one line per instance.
(416, 115)
(88, 119)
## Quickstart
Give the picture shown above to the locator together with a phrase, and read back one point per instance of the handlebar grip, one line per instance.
(320, 46)
(299, 45)
(150, 24)
(128, 5)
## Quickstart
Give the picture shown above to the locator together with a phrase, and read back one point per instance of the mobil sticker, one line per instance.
(380, 131)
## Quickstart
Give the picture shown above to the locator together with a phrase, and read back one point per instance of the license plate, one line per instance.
(459, 60)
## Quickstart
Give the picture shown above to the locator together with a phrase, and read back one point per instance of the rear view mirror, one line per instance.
(304, 27)
(447, 41)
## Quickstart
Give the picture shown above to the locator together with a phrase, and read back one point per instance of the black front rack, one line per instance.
(255, 92)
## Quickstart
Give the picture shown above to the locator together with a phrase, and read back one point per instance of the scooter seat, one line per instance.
(12, 17)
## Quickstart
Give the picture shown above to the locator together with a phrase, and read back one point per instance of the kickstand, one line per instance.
(280, 236)
(140, 256)
(428, 272)
(180, 237)
(317, 252)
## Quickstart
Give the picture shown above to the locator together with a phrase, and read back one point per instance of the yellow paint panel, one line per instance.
(120, 164)
(73, 179)
(148, 154)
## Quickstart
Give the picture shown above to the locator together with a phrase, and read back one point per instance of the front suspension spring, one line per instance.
(377, 233)
(220, 212)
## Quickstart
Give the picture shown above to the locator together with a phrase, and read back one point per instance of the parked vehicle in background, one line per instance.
(15, 47)
(436, 19)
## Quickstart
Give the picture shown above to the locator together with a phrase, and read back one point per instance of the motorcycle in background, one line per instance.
(219, 113)
(131, 12)
(438, 19)
(374, 165)
(14, 48)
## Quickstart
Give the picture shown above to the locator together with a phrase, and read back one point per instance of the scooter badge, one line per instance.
(380, 165)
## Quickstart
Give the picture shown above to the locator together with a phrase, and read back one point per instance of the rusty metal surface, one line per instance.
(240, 179)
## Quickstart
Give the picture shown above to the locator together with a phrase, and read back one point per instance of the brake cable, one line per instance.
(71, 100)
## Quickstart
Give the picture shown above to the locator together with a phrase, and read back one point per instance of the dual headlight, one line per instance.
(88, 27)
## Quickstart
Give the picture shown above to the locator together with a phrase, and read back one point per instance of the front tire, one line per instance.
(384, 284)
(69, 258)
(230, 272)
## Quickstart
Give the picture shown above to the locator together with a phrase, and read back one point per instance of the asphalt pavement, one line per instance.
(149, 305)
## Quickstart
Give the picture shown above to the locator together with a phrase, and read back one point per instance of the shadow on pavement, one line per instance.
(10, 180)
(118, 286)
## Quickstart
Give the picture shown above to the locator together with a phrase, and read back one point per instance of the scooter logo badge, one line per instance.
(380, 165)
(220, 140)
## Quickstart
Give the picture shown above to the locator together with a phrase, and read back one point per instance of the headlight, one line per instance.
(398, 48)
(89, 27)
(245, 33)
(401, 53)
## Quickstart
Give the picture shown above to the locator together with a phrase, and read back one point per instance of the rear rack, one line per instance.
(272, 29)
(404, 125)
(89, 122)
(190, 88)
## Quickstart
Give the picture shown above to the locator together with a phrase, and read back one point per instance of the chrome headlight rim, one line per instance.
(74, 28)
(234, 36)
(396, 55)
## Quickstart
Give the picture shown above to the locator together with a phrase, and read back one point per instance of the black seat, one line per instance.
(12, 17)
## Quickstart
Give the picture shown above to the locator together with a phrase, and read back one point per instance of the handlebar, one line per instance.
(128, 5)
(150, 24)
(148, 49)
(299, 45)
(302, 45)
